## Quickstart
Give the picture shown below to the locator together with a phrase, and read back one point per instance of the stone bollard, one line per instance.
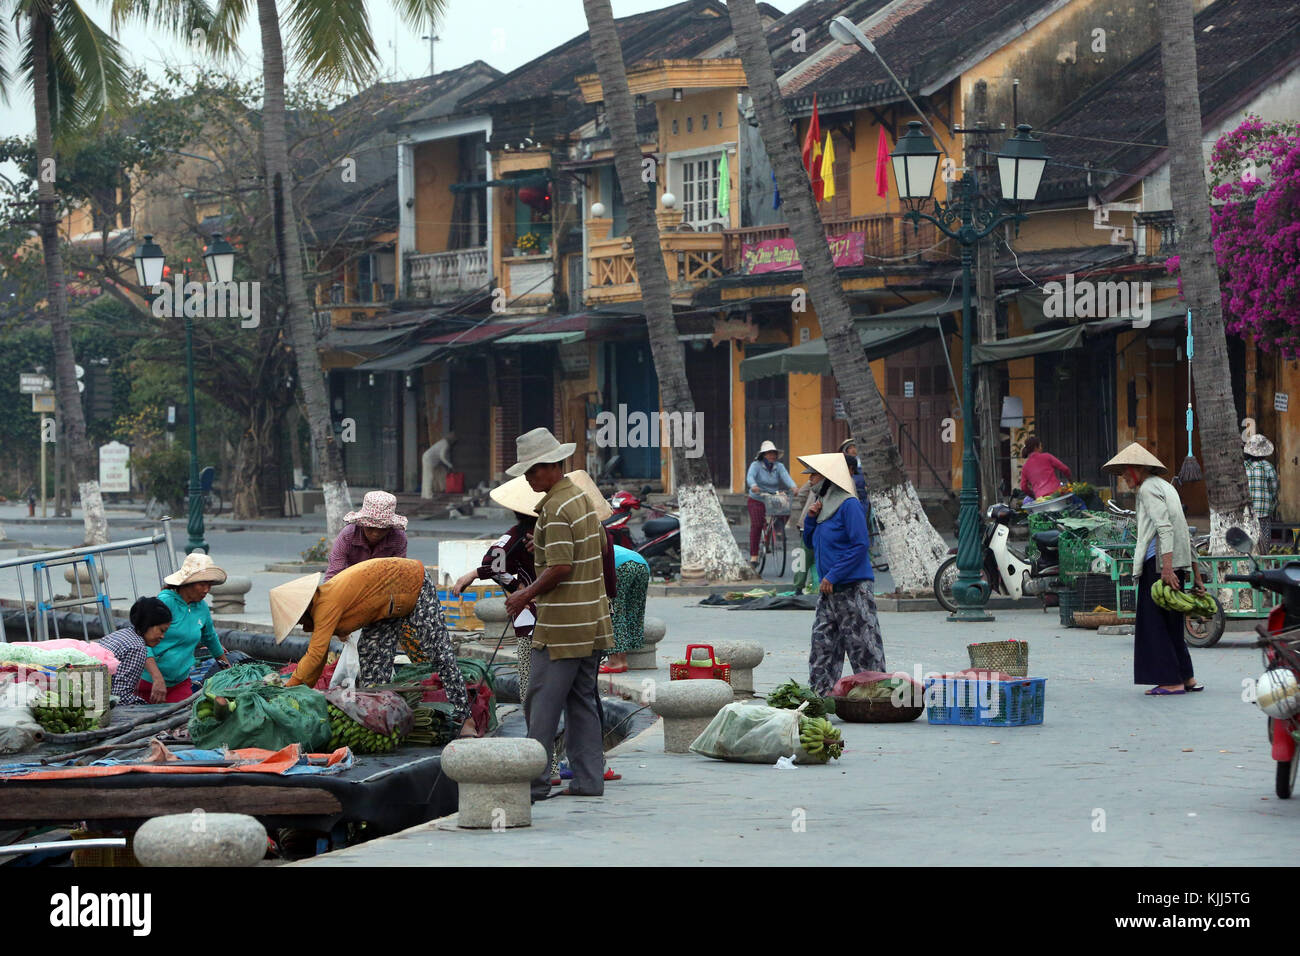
(743, 656)
(82, 574)
(493, 774)
(200, 839)
(643, 659)
(687, 706)
(491, 610)
(228, 598)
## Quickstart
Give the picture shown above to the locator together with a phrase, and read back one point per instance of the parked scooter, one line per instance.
(1277, 692)
(660, 542)
(1004, 567)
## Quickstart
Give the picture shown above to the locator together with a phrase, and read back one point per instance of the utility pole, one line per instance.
(432, 38)
(987, 411)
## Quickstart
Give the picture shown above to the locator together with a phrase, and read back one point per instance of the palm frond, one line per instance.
(223, 35)
(59, 84)
(90, 61)
(332, 41)
(420, 13)
(181, 17)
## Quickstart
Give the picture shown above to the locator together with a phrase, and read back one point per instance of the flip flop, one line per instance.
(1194, 688)
(1161, 692)
(569, 793)
(611, 775)
(606, 669)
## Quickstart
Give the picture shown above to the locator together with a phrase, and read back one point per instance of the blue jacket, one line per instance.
(842, 544)
(770, 481)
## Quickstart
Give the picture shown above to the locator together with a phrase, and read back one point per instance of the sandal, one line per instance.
(606, 669)
(1193, 688)
(611, 775)
(1161, 692)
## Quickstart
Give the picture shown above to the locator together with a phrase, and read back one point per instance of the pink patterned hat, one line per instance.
(378, 510)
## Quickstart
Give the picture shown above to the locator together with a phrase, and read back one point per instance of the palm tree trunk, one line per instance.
(913, 547)
(707, 539)
(1225, 477)
(298, 310)
(84, 465)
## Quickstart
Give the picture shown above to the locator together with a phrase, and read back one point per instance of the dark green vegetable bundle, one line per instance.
(791, 694)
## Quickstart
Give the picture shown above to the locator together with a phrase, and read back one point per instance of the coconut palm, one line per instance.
(912, 545)
(706, 537)
(77, 73)
(1225, 479)
(331, 42)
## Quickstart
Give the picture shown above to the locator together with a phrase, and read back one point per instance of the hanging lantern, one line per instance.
(535, 197)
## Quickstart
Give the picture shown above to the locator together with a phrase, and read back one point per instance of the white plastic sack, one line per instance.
(750, 733)
(18, 731)
(348, 668)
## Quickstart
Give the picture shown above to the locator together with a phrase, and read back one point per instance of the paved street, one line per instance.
(1186, 781)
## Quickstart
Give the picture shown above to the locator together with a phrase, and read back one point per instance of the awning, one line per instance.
(917, 310)
(402, 361)
(811, 358)
(478, 334)
(1031, 309)
(345, 338)
(557, 331)
(532, 179)
(1166, 313)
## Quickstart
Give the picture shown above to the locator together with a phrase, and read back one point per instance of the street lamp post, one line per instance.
(967, 216)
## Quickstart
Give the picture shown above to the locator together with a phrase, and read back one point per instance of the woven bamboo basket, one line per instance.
(1009, 657)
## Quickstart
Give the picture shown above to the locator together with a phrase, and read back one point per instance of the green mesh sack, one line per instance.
(238, 710)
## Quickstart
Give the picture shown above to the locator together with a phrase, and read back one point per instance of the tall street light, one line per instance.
(967, 216)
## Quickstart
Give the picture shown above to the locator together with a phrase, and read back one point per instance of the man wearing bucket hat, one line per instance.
(184, 593)
(1261, 480)
(846, 622)
(766, 476)
(573, 624)
(376, 531)
(380, 597)
(1163, 552)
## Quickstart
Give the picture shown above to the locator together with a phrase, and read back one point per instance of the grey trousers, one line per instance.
(568, 685)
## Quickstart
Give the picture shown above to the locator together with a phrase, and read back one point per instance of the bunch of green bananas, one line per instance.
(1184, 602)
(63, 720)
(819, 739)
(346, 732)
(429, 729)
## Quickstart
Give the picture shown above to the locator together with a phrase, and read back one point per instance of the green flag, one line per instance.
(724, 187)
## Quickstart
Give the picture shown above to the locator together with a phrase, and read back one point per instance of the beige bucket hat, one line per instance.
(290, 601)
(197, 568)
(516, 495)
(538, 447)
(767, 446)
(1257, 446)
(598, 502)
(1134, 454)
(833, 466)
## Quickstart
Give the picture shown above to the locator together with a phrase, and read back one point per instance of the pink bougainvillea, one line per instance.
(1255, 220)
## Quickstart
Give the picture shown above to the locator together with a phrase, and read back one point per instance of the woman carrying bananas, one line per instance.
(1161, 558)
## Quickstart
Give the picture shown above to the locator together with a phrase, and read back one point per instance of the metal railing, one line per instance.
(93, 559)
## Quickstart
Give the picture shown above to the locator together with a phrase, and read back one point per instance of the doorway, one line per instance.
(767, 407)
(918, 395)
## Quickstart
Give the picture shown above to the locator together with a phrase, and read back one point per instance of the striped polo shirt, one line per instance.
(573, 617)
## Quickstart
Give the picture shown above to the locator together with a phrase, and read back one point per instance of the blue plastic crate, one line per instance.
(981, 703)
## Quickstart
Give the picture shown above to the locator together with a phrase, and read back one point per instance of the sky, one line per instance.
(503, 33)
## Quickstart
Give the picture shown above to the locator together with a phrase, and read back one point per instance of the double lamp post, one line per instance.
(219, 257)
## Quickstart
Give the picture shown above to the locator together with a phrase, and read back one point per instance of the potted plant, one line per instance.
(529, 244)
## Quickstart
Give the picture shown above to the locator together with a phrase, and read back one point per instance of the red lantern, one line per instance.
(535, 197)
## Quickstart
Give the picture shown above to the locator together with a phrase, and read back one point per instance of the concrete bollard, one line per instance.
(643, 659)
(493, 774)
(491, 610)
(228, 598)
(80, 572)
(200, 839)
(743, 656)
(687, 706)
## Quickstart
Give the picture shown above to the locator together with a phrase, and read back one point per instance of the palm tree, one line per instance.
(76, 73)
(333, 43)
(1225, 479)
(912, 545)
(707, 539)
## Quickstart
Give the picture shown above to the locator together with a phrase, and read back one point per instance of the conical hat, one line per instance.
(598, 502)
(1134, 454)
(290, 601)
(516, 495)
(833, 466)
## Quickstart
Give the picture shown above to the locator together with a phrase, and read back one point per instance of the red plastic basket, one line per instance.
(711, 671)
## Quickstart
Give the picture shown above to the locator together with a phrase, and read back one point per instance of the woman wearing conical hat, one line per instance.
(846, 621)
(1163, 552)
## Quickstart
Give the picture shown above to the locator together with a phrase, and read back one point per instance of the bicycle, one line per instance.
(776, 509)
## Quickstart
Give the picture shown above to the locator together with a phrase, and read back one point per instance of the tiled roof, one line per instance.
(1240, 44)
(811, 18)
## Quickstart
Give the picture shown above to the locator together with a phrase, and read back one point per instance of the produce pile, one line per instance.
(346, 732)
(879, 690)
(432, 727)
(1184, 602)
(791, 694)
(819, 739)
(63, 720)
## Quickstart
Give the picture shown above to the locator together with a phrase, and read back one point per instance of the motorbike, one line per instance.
(1005, 568)
(660, 541)
(1277, 692)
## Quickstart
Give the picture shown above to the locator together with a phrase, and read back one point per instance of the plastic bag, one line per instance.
(348, 667)
(877, 685)
(98, 651)
(750, 734)
(32, 655)
(380, 711)
(238, 710)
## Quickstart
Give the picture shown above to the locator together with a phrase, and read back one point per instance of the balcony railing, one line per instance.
(692, 259)
(1161, 233)
(430, 275)
(885, 237)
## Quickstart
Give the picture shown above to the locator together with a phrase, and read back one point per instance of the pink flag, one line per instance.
(882, 165)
